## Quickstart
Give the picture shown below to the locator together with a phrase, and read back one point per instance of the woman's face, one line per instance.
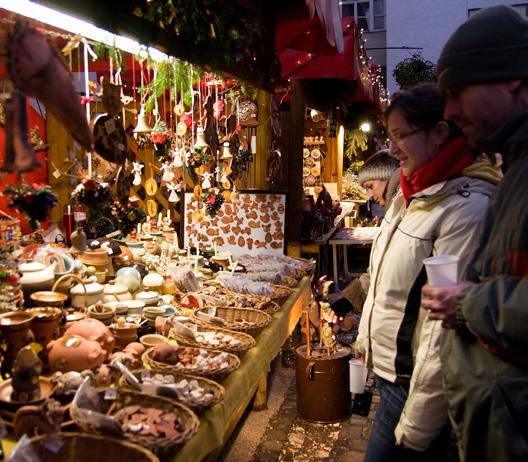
(412, 146)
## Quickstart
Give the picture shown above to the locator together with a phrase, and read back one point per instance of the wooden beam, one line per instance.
(295, 165)
(263, 138)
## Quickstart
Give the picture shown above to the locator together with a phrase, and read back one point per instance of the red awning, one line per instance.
(304, 53)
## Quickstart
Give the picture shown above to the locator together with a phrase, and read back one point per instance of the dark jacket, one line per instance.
(485, 361)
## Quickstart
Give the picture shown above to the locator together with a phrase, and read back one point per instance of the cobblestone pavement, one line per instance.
(279, 434)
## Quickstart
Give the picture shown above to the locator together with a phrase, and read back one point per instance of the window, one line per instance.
(520, 7)
(369, 15)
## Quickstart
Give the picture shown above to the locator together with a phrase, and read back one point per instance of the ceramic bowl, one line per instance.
(128, 271)
(105, 315)
(135, 306)
(48, 298)
(149, 298)
(152, 312)
(152, 340)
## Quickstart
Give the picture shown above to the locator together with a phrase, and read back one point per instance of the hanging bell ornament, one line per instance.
(200, 139)
(142, 124)
(226, 152)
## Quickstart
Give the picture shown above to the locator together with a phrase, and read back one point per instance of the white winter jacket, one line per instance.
(395, 335)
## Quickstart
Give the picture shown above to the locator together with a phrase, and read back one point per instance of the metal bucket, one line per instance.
(323, 393)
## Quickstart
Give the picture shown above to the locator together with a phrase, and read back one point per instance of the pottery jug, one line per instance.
(45, 324)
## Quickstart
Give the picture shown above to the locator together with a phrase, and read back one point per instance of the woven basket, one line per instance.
(281, 294)
(247, 342)
(161, 446)
(210, 386)
(256, 320)
(235, 300)
(215, 374)
(80, 447)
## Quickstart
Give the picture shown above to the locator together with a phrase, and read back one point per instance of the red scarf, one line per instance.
(448, 163)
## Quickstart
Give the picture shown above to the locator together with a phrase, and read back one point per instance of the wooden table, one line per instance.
(217, 424)
(361, 236)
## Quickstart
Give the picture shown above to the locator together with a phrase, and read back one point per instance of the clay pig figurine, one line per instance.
(95, 330)
(130, 356)
(74, 353)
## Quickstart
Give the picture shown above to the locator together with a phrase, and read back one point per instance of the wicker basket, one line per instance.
(215, 374)
(80, 447)
(246, 341)
(256, 320)
(237, 300)
(210, 386)
(161, 446)
(281, 294)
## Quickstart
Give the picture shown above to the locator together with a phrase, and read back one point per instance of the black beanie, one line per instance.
(492, 45)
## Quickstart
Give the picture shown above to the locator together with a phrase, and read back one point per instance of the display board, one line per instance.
(254, 225)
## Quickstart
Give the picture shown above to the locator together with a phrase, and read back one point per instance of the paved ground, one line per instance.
(278, 434)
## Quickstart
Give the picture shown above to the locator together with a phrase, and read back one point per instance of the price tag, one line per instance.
(110, 394)
(56, 174)
(211, 311)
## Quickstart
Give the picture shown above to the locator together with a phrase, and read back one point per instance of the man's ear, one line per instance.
(441, 132)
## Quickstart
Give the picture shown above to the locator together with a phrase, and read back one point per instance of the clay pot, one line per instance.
(149, 298)
(124, 333)
(103, 312)
(48, 298)
(74, 353)
(35, 277)
(116, 293)
(15, 330)
(94, 294)
(152, 340)
(95, 330)
(45, 324)
(97, 258)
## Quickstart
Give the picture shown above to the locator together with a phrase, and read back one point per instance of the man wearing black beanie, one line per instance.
(483, 69)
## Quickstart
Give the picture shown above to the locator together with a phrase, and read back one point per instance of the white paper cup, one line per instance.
(442, 270)
(358, 376)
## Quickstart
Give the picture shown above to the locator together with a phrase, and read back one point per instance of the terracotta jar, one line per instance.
(15, 330)
(74, 353)
(95, 330)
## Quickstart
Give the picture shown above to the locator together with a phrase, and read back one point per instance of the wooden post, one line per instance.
(263, 138)
(295, 166)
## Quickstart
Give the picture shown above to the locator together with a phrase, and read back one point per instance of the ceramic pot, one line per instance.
(124, 333)
(48, 298)
(94, 294)
(35, 277)
(153, 281)
(93, 329)
(74, 353)
(129, 271)
(149, 298)
(135, 307)
(103, 312)
(130, 282)
(116, 293)
(45, 324)
(97, 257)
(15, 330)
(152, 340)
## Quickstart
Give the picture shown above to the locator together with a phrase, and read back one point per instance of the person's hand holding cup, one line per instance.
(439, 296)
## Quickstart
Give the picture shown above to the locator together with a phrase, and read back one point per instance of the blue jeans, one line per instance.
(382, 443)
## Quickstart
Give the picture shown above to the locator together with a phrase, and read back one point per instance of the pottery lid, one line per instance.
(92, 288)
(115, 289)
(31, 266)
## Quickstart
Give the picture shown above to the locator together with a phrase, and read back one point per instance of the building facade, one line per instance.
(395, 29)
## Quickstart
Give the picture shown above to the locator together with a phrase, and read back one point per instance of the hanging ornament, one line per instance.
(152, 208)
(206, 180)
(197, 191)
(143, 125)
(136, 170)
(200, 139)
(235, 197)
(167, 172)
(181, 129)
(178, 158)
(174, 188)
(218, 109)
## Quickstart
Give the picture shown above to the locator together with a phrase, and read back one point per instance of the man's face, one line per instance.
(375, 190)
(480, 109)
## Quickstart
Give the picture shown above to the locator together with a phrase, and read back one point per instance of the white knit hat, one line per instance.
(380, 166)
